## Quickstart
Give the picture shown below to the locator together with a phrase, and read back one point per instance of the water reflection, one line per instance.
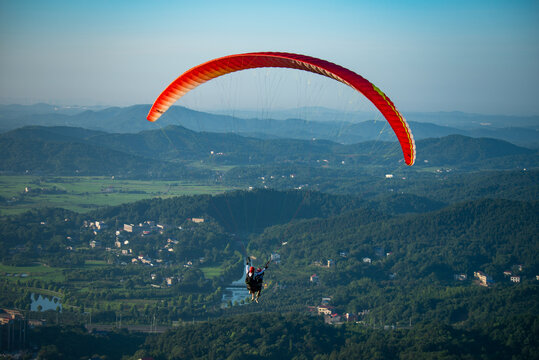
(46, 303)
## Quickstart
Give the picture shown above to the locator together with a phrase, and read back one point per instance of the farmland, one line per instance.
(82, 194)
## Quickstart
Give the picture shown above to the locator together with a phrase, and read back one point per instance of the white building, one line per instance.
(331, 263)
(276, 258)
(94, 244)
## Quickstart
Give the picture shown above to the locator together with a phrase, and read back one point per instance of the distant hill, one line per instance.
(52, 133)
(41, 108)
(464, 120)
(522, 131)
(457, 149)
(456, 119)
(66, 149)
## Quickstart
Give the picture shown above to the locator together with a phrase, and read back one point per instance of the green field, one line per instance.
(211, 272)
(94, 263)
(82, 194)
(23, 273)
(42, 272)
(211, 166)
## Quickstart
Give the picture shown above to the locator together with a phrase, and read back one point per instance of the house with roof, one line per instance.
(325, 309)
(484, 279)
(95, 244)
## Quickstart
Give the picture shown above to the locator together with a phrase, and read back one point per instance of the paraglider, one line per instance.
(232, 63)
(254, 279)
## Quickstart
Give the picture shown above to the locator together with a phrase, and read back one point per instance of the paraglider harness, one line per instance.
(254, 282)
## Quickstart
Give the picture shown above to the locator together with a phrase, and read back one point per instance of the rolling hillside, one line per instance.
(64, 150)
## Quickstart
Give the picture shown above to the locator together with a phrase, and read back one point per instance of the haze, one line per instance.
(471, 56)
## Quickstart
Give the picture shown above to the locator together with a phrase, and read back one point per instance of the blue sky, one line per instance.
(473, 56)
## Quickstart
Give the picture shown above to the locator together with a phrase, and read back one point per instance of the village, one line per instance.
(485, 280)
(121, 238)
(331, 316)
(119, 241)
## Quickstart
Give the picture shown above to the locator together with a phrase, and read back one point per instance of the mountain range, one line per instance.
(327, 124)
(456, 119)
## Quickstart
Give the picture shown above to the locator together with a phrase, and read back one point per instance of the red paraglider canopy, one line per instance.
(228, 64)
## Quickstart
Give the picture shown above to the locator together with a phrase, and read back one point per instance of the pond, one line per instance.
(47, 303)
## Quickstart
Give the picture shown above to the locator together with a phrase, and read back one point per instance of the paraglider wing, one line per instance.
(228, 64)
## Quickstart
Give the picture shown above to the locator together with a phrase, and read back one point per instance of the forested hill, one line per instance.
(39, 151)
(252, 211)
(487, 234)
(53, 133)
(65, 150)
(462, 237)
(491, 235)
(461, 149)
(238, 211)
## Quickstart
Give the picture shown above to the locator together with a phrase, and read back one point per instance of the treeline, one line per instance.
(74, 342)
(295, 336)
(274, 336)
(29, 235)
